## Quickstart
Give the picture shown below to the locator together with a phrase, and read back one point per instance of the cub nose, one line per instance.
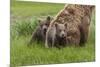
(45, 30)
(63, 35)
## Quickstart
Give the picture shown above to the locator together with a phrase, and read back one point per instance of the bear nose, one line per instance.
(62, 35)
(45, 30)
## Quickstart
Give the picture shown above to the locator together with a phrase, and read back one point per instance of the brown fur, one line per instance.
(78, 19)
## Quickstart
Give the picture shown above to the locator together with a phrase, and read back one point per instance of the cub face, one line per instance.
(45, 24)
(61, 30)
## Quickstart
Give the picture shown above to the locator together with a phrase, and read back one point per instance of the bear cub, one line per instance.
(56, 36)
(40, 32)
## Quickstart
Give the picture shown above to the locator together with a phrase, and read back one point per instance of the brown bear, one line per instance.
(77, 18)
(56, 36)
(40, 32)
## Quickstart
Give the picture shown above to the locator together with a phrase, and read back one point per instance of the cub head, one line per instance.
(44, 24)
(61, 30)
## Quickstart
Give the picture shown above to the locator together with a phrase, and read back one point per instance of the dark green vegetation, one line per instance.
(24, 19)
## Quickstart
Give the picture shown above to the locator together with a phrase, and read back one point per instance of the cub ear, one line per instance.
(39, 21)
(56, 25)
(48, 18)
(65, 25)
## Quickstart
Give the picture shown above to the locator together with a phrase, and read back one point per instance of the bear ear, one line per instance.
(39, 21)
(56, 25)
(65, 25)
(48, 18)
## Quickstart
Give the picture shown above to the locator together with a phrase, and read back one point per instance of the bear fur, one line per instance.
(83, 14)
(78, 19)
(40, 32)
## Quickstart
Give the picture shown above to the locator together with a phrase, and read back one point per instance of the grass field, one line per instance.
(24, 16)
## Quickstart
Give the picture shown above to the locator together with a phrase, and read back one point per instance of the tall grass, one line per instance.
(24, 27)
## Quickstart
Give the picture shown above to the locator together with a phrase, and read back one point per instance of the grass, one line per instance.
(24, 17)
(23, 27)
(27, 9)
(37, 54)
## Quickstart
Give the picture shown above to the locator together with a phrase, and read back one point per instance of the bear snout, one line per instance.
(44, 30)
(62, 34)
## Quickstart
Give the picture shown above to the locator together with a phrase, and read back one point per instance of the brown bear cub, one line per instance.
(40, 32)
(56, 36)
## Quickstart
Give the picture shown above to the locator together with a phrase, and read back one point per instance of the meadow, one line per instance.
(24, 19)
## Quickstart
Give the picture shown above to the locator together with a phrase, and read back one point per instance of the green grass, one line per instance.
(27, 9)
(38, 54)
(24, 17)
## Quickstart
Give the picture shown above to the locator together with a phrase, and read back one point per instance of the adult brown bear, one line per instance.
(78, 19)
